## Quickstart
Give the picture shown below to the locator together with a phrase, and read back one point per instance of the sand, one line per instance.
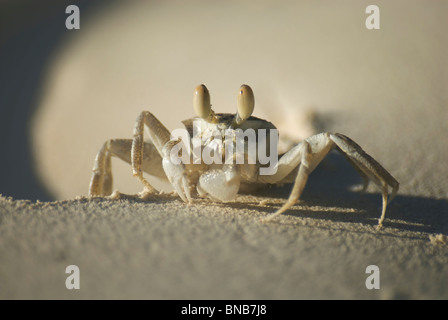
(386, 89)
(163, 249)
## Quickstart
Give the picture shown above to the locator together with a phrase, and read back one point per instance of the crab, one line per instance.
(221, 181)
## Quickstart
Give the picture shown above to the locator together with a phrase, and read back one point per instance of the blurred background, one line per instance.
(65, 92)
(31, 35)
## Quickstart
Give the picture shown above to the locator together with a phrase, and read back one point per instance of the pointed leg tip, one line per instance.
(270, 217)
(145, 194)
(115, 195)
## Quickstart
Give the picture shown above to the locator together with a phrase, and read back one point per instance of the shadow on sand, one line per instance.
(330, 187)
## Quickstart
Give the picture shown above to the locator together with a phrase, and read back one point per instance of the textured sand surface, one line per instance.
(164, 250)
(386, 89)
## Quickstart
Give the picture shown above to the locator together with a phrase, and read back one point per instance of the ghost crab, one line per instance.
(221, 182)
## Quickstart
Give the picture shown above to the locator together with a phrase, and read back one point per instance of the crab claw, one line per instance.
(176, 172)
(220, 184)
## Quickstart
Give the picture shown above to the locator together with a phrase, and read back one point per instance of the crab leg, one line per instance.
(308, 154)
(370, 167)
(158, 134)
(101, 181)
(305, 157)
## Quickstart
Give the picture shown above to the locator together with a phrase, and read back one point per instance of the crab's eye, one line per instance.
(245, 103)
(201, 102)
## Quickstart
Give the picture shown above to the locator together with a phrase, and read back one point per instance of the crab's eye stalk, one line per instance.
(201, 102)
(245, 103)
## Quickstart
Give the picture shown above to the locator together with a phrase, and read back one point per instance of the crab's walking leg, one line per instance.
(308, 154)
(101, 181)
(370, 167)
(158, 134)
(305, 157)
